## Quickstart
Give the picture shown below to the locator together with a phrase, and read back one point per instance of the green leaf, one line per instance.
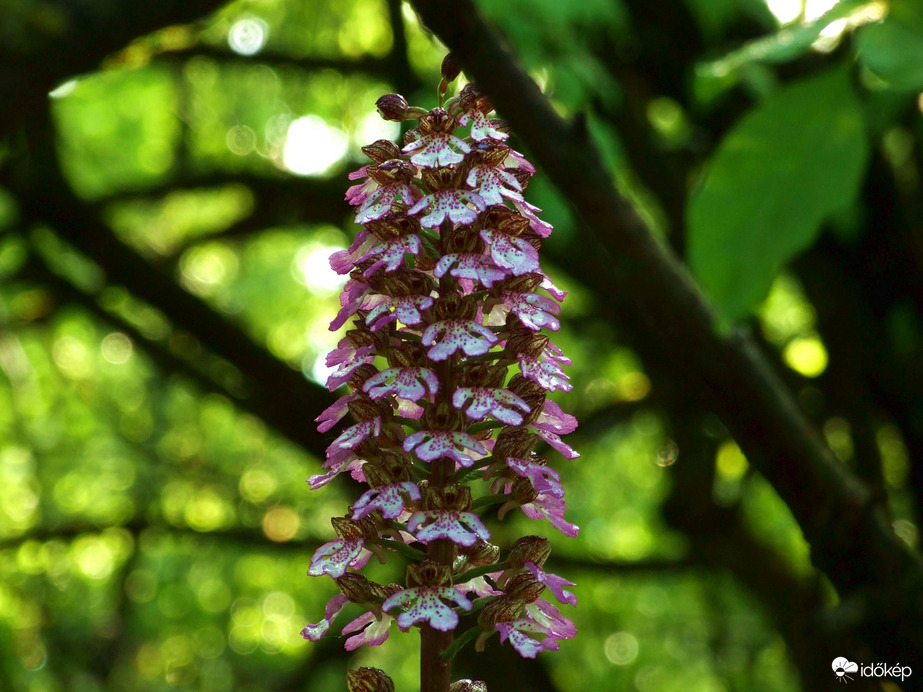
(893, 48)
(775, 178)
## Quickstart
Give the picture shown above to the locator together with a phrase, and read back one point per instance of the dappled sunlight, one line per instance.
(312, 146)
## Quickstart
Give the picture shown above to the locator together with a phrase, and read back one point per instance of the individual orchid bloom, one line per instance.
(334, 606)
(425, 604)
(545, 614)
(479, 586)
(465, 335)
(372, 630)
(534, 311)
(335, 557)
(390, 254)
(451, 204)
(521, 634)
(379, 203)
(411, 383)
(554, 583)
(343, 261)
(510, 252)
(555, 441)
(404, 308)
(481, 126)
(547, 506)
(437, 149)
(544, 479)
(355, 296)
(493, 184)
(347, 462)
(353, 435)
(547, 373)
(476, 267)
(542, 228)
(334, 413)
(496, 402)
(553, 418)
(388, 499)
(463, 528)
(436, 444)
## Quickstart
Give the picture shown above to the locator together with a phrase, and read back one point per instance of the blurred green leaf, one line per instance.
(782, 171)
(893, 48)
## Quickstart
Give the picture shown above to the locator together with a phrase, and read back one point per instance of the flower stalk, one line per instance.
(448, 372)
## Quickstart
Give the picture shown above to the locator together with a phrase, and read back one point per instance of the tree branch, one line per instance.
(850, 538)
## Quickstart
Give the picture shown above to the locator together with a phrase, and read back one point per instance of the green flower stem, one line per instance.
(488, 500)
(457, 645)
(470, 574)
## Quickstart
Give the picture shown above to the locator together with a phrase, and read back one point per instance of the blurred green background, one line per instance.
(165, 221)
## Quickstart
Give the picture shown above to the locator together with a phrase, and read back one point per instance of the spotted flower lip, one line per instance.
(425, 604)
(463, 528)
(445, 294)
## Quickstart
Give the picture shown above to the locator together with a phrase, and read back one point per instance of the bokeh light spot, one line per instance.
(312, 146)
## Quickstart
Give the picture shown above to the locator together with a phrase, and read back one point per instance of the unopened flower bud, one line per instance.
(535, 549)
(357, 588)
(443, 416)
(514, 442)
(500, 609)
(382, 150)
(454, 497)
(428, 573)
(358, 376)
(525, 342)
(455, 307)
(467, 685)
(436, 121)
(450, 68)
(364, 408)
(529, 391)
(480, 554)
(393, 107)
(368, 680)
(525, 587)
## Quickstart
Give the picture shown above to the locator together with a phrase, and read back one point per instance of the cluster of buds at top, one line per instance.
(448, 371)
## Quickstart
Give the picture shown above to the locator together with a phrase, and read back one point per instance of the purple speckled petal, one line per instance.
(544, 478)
(552, 508)
(481, 126)
(387, 498)
(355, 434)
(334, 413)
(472, 266)
(437, 149)
(534, 311)
(493, 184)
(510, 252)
(407, 383)
(545, 614)
(390, 254)
(518, 632)
(548, 374)
(334, 557)
(530, 212)
(436, 444)
(469, 336)
(424, 603)
(554, 583)
(374, 635)
(380, 201)
(448, 203)
(488, 400)
(463, 528)
(403, 308)
(334, 606)
(553, 419)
